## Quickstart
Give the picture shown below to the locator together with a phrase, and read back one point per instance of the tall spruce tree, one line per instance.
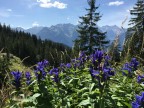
(134, 42)
(90, 36)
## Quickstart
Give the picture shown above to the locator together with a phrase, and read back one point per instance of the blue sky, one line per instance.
(28, 13)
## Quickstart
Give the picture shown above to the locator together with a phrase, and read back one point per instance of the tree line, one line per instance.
(31, 47)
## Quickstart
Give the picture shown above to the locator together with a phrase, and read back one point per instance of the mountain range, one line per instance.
(66, 33)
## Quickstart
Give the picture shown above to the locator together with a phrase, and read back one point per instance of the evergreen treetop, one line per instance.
(90, 37)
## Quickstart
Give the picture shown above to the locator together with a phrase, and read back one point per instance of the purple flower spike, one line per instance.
(28, 78)
(55, 73)
(17, 76)
(140, 78)
(40, 72)
(134, 63)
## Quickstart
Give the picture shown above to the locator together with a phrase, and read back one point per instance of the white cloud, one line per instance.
(9, 10)
(68, 18)
(44, 1)
(35, 24)
(116, 3)
(127, 10)
(49, 4)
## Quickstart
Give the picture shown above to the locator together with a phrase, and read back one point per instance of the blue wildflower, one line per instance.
(28, 78)
(139, 101)
(56, 77)
(107, 73)
(106, 62)
(68, 65)
(55, 73)
(62, 66)
(140, 78)
(126, 70)
(96, 58)
(98, 55)
(104, 75)
(134, 63)
(135, 105)
(82, 54)
(94, 73)
(17, 76)
(40, 70)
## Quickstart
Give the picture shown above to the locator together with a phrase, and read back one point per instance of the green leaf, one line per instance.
(36, 95)
(33, 82)
(84, 102)
(127, 104)
(124, 79)
(70, 81)
(119, 104)
(63, 83)
(92, 85)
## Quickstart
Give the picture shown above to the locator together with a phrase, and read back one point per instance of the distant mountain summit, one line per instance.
(113, 31)
(66, 33)
(63, 33)
(34, 30)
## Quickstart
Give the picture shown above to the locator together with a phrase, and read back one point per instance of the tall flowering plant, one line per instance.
(17, 77)
(40, 71)
(129, 68)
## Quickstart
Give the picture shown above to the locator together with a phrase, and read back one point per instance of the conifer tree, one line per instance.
(90, 36)
(134, 41)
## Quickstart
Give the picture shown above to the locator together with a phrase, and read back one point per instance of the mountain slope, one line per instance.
(113, 31)
(62, 33)
(66, 33)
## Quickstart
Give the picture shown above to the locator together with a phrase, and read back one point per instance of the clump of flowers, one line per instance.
(97, 58)
(139, 103)
(129, 68)
(103, 74)
(140, 78)
(101, 70)
(55, 74)
(80, 61)
(134, 63)
(28, 78)
(17, 77)
(40, 70)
